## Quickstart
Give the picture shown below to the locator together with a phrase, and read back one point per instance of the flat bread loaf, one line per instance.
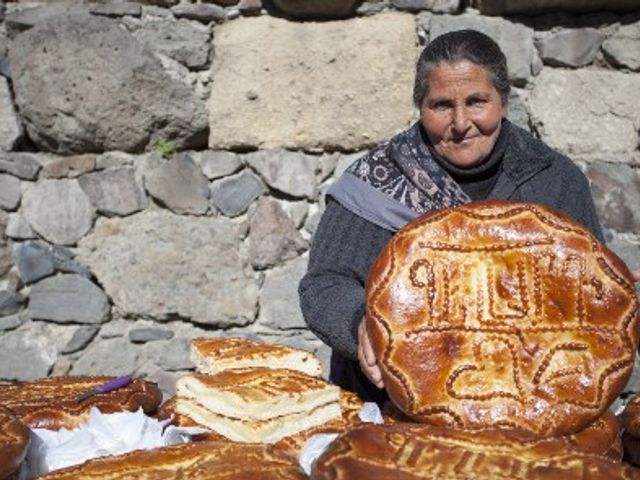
(14, 440)
(194, 461)
(419, 451)
(51, 402)
(502, 314)
(631, 417)
(213, 355)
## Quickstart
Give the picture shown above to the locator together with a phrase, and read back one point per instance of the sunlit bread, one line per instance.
(14, 440)
(213, 355)
(419, 451)
(502, 314)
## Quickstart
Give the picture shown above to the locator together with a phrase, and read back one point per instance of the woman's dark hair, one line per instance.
(461, 45)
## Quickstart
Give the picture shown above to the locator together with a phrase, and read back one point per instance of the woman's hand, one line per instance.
(367, 358)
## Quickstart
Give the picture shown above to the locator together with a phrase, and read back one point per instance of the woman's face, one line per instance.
(462, 112)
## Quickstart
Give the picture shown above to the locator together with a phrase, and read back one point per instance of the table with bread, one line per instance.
(504, 332)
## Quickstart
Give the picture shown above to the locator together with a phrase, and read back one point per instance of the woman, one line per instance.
(462, 149)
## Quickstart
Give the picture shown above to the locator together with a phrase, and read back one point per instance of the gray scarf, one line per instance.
(397, 182)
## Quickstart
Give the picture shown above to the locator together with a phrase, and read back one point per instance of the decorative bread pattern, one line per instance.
(213, 355)
(14, 440)
(194, 461)
(502, 314)
(418, 451)
(51, 402)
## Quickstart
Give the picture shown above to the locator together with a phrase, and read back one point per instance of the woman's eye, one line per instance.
(476, 101)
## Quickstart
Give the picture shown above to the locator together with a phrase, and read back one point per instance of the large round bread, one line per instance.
(631, 416)
(14, 440)
(52, 402)
(196, 461)
(502, 314)
(418, 451)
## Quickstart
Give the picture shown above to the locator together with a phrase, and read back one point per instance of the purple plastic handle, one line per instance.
(114, 384)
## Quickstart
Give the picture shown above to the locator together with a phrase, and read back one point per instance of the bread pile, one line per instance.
(51, 403)
(194, 461)
(503, 331)
(14, 440)
(273, 395)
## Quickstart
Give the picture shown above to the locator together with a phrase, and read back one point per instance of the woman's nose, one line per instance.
(460, 120)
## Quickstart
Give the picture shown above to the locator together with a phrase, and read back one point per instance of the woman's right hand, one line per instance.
(367, 358)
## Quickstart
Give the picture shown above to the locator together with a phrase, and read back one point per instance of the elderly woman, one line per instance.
(462, 149)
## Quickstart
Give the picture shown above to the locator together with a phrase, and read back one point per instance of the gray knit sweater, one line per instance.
(345, 245)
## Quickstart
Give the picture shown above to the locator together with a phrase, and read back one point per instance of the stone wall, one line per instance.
(163, 164)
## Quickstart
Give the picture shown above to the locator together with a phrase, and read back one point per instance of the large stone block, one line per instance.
(588, 114)
(342, 84)
(570, 48)
(623, 48)
(96, 88)
(515, 40)
(165, 266)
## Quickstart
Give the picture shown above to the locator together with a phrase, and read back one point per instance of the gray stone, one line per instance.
(58, 210)
(279, 305)
(518, 112)
(11, 131)
(119, 9)
(604, 128)
(11, 322)
(144, 335)
(54, 166)
(113, 160)
(180, 185)
(233, 195)
(623, 48)
(25, 355)
(324, 80)
(327, 165)
(182, 40)
(538, 7)
(34, 260)
(10, 192)
(373, 7)
(22, 165)
(616, 194)
(313, 219)
(18, 228)
(627, 251)
(81, 338)
(216, 164)
(138, 104)
(273, 237)
(570, 48)
(25, 19)
(440, 6)
(316, 9)
(164, 266)
(289, 172)
(202, 12)
(10, 302)
(114, 191)
(64, 261)
(297, 211)
(250, 7)
(114, 356)
(68, 298)
(515, 40)
(169, 355)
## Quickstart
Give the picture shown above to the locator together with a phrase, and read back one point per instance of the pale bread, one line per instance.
(214, 355)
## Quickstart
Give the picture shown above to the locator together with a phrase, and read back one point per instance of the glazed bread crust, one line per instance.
(502, 314)
(417, 451)
(51, 402)
(14, 440)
